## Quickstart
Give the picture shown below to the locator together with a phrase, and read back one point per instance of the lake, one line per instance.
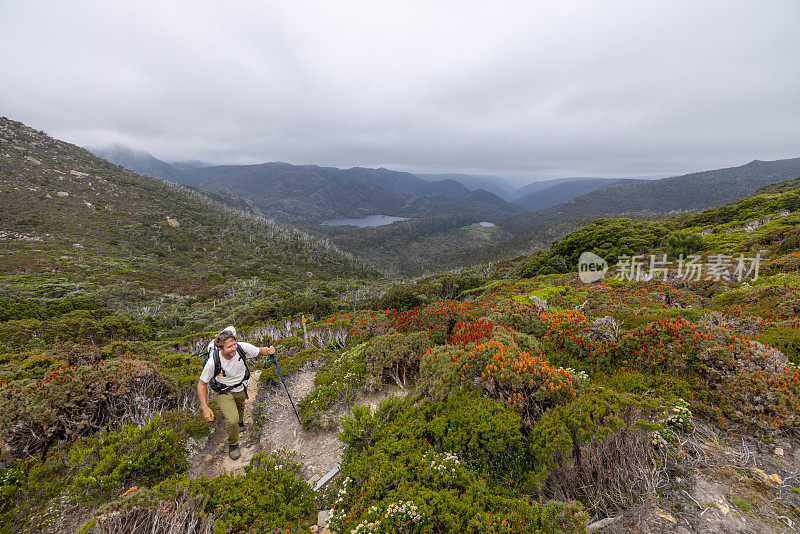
(371, 220)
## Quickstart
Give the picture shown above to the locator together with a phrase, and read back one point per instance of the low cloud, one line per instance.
(582, 88)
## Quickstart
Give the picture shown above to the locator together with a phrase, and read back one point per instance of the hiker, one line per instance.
(229, 382)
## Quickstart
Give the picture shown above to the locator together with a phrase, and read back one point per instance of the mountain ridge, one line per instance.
(689, 192)
(311, 193)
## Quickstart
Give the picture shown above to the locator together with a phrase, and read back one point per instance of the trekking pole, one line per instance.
(271, 357)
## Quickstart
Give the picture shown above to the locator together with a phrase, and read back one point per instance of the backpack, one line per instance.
(216, 387)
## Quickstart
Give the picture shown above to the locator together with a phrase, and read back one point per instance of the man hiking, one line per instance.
(227, 373)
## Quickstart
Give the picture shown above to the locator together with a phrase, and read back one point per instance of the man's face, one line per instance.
(228, 348)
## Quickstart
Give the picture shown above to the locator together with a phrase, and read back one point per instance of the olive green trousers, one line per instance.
(232, 406)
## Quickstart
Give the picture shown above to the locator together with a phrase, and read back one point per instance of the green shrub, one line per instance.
(684, 243)
(271, 496)
(111, 461)
(786, 338)
(481, 431)
(80, 326)
(117, 349)
(27, 486)
(543, 263)
(398, 469)
(184, 368)
(17, 357)
(36, 366)
(188, 423)
(663, 385)
(596, 449)
(337, 385)
(401, 297)
(315, 304)
(15, 308)
(608, 238)
(394, 356)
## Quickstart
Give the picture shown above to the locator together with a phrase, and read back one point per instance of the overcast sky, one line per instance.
(555, 88)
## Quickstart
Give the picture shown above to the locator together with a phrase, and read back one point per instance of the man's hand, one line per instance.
(202, 394)
(262, 351)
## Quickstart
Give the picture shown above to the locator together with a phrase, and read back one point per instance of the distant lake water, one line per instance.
(486, 224)
(372, 220)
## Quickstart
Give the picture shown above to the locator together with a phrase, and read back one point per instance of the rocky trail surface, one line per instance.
(319, 451)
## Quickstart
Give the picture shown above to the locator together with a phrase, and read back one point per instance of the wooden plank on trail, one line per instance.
(324, 480)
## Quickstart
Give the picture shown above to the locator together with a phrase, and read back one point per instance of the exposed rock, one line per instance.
(540, 304)
(323, 517)
(763, 477)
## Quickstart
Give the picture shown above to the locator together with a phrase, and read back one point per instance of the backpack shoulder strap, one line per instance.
(217, 362)
(243, 356)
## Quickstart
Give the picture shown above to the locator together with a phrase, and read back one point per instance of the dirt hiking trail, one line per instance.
(319, 450)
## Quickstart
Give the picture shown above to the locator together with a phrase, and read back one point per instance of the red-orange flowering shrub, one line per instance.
(72, 401)
(470, 331)
(438, 319)
(785, 263)
(745, 380)
(527, 383)
(362, 325)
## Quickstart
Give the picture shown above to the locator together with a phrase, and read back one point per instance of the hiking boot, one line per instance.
(233, 452)
(241, 428)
